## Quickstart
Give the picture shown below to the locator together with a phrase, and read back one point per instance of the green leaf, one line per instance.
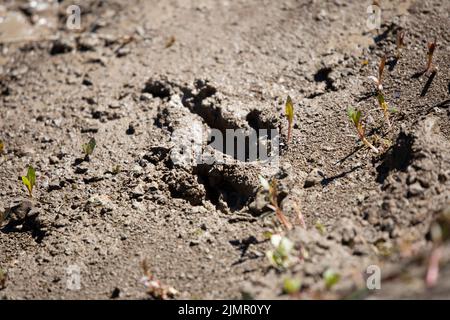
(292, 285)
(380, 98)
(267, 234)
(29, 180)
(331, 278)
(89, 147)
(357, 116)
(320, 227)
(31, 175)
(350, 113)
(289, 109)
(354, 115)
(26, 182)
(281, 256)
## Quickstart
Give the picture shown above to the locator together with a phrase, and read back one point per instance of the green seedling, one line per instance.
(320, 227)
(331, 278)
(273, 195)
(271, 188)
(355, 117)
(30, 180)
(430, 53)
(290, 116)
(384, 107)
(88, 148)
(291, 285)
(267, 235)
(379, 79)
(281, 256)
(400, 44)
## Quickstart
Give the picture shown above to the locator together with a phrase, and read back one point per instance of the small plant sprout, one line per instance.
(273, 195)
(281, 256)
(267, 235)
(430, 53)
(400, 43)
(355, 117)
(384, 107)
(271, 188)
(290, 116)
(291, 285)
(88, 148)
(30, 180)
(320, 227)
(378, 80)
(331, 278)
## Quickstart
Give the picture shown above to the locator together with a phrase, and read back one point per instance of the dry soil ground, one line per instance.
(139, 72)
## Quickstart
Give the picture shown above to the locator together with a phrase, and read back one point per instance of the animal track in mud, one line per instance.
(323, 75)
(187, 110)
